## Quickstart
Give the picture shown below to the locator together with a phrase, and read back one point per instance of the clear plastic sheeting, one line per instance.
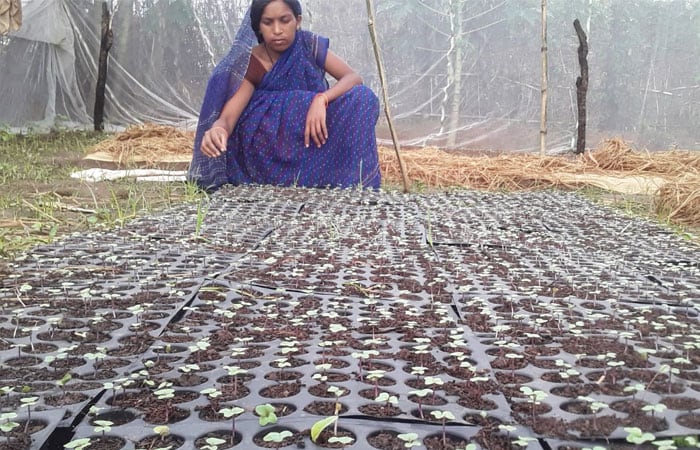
(461, 73)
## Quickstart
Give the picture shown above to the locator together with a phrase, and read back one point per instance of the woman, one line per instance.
(269, 116)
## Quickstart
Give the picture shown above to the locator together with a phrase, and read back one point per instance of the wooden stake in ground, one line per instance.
(105, 45)
(581, 87)
(543, 116)
(385, 94)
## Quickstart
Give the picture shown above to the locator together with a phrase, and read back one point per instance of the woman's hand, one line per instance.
(315, 128)
(214, 141)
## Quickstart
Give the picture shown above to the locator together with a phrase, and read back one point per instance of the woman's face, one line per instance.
(278, 26)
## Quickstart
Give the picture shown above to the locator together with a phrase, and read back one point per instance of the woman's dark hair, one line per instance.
(256, 12)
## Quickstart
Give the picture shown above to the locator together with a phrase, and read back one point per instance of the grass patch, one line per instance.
(40, 201)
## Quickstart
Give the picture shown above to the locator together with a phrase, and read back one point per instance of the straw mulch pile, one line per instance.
(614, 160)
(146, 145)
(678, 197)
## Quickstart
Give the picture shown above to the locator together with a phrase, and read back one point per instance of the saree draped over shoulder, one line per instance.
(267, 144)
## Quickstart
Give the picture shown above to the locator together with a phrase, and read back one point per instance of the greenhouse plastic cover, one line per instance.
(461, 74)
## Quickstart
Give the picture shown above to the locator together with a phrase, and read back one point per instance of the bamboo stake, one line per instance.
(543, 116)
(385, 94)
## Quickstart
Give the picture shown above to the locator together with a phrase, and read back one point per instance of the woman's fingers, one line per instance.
(317, 132)
(214, 142)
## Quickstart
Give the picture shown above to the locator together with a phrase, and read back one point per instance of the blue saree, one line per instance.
(267, 144)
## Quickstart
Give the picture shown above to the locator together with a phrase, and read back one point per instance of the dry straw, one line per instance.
(678, 198)
(146, 145)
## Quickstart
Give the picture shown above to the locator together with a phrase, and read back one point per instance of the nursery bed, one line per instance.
(273, 295)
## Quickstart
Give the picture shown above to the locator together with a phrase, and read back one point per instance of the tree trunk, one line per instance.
(581, 87)
(457, 72)
(543, 115)
(105, 45)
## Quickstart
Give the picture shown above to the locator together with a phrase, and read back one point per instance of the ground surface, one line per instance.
(274, 295)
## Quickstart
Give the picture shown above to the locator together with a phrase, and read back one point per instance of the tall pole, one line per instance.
(105, 45)
(385, 94)
(543, 116)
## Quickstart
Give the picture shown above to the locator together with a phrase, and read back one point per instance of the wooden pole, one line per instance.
(105, 45)
(581, 87)
(385, 94)
(543, 115)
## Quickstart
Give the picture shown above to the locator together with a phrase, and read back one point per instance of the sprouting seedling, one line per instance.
(338, 392)
(433, 381)
(7, 425)
(232, 413)
(523, 441)
(655, 408)
(234, 371)
(277, 437)
(421, 394)
(212, 443)
(513, 357)
(78, 444)
(634, 389)
(100, 354)
(507, 428)
(595, 406)
(375, 376)
(166, 393)
(189, 369)
(387, 399)
(213, 394)
(6, 391)
(238, 353)
(163, 431)
(342, 440)
(336, 328)
(281, 364)
(443, 416)
(199, 347)
(103, 426)
(666, 444)
(535, 397)
(266, 414)
(410, 440)
(28, 402)
(365, 354)
(418, 371)
(637, 436)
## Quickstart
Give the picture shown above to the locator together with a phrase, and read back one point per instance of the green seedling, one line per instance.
(213, 443)
(167, 394)
(103, 426)
(637, 436)
(535, 397)
(232, 413)
(410, 440)
(266, 414)
(277, 437)
(213, 394)
(387, 399)
(28, 402)
(78, 444)
(234, 371)
(7, 424)
(443, 416)
(421, 394)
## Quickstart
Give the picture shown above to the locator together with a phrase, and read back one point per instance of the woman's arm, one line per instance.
(316, 129)
(214, 141)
